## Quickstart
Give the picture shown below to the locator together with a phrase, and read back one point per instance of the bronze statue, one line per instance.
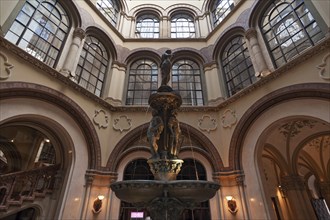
(165, 67)
(155, 129)
(175, 134)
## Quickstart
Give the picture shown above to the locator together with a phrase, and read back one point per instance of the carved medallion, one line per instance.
(207, 123)
(101, 119)
(228, 118)
(5, 67)
(324, 67)
(122, 123)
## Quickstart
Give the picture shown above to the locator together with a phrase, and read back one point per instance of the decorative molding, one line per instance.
(101, 119)
(79, 32)
(122, 123)
(207, 123)
(293, 128)
(228, 118)
(324, 67)
(5, 67)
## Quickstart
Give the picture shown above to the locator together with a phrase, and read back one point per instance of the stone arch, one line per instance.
(145, 53)
(121, 150)
(73, 12)
(11, 90)
(311, 90)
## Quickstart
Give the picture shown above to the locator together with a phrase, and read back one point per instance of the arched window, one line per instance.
(221, 9)
(92, 66)
(147, 26)
(194, 170)
(182, 26)
(191, 170)
(40, 29)
(186, 78)
(143, 80)
(136, 170)
(288, 29)
(237, 65)
(109, 9)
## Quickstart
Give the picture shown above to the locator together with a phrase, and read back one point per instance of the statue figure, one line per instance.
(155, 129)
(165, 67)
(175, 134)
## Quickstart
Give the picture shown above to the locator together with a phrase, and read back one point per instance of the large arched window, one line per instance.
(109, 9)
(221, 9)
(237, 65)
(186, 78)
(182, 26)
(92, 66)
(40, 29)
(142, 81)
(289, 28)
(147, 26)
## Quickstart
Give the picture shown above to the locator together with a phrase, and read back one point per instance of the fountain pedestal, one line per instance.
(165, 197)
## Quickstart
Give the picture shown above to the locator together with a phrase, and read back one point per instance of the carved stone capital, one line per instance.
(325, 188)
(250, 33)
(292, 183)
(79, 32)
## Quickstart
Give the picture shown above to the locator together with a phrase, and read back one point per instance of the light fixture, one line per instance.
(232, 206)
(97, 205)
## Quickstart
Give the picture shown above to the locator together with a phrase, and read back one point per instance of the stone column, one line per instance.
(297, 199)
(85, 198)
(164, 27)
(72, 57)
(257, 57)
(325, 191)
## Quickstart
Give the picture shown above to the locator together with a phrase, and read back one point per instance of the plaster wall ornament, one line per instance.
(228, 118)
(122, 123)
(324, 67)
(5, 67)
(207, 123)
(101, 119)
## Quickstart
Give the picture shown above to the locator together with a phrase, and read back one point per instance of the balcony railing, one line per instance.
(15, 188)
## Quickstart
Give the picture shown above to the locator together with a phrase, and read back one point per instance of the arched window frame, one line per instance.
(193, 95)
(288, 28)
(237, 65)
(142, 81)
(220, 9)
(147, 26)
(41, 28)
(183, 26)
(93, 65)
(110, 9)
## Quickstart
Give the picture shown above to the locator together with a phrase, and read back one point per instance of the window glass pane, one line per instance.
(182, 26)
(186, 79)
(35, 27)
(109, 9)
(90, 66)
(142, 81)
(147, 26)
(285, 28)
(221, 9)
(236, 65)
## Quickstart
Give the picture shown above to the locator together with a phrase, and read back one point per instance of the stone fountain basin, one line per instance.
(144, 191)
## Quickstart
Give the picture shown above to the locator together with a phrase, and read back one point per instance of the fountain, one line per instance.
(165, 197)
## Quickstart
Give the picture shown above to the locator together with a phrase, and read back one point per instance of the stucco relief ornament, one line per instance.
(101, 119)
(228, 119)
(207, 123)
(5, 67)
(324, 67)
(122, 123)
